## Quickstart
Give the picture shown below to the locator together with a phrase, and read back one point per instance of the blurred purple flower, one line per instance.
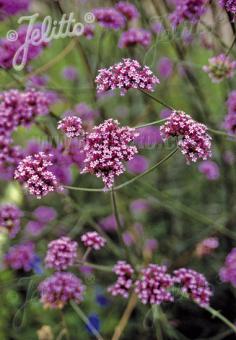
(70, 73)
(45, 214)
(139, 206)
(148, 136)
(165, 67)
(138, 164)
(210, 169)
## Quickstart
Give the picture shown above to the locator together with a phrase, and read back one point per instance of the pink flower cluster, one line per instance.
(229, 5)
(220, 67)
(135, 36)
(10, 216)
(109, 17)
(153, 285)
(21, 108)
(71, 126)
(12, 7)
(9, 48)
(207, 246)
(193, 139)
(93, 240)
(188, 10)
(194, 285)
(124, 282)
(128, 74)
(57, 290)
(228, 271)
(230, 119)
(106, 148)
(21, 256)
(61, 253)
(127, 9)
(34, 172)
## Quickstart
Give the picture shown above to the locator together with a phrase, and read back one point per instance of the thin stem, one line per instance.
(156, 122)
(231, 46)
(125, 317)
(157, 100)
(147, 171)
(134, 179)
(86, 254)
(221, 133)
(95, 266)
(84, 318)
(221, 317)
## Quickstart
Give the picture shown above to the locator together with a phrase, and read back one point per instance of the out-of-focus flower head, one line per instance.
(207, 246)
(10, 216)
(188, 10)
(134, 37)
(127, 9)
(220, 67)
(13, 7)
(228, 271)
(210, 169)
(109, 17)
(21, 256)
(165, 67)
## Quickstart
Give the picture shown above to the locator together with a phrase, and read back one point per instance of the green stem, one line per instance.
(221, 317)
(157, 100)
(127, 182)
(84, 318)
(152, 123)
(95, 266)
(221, 133)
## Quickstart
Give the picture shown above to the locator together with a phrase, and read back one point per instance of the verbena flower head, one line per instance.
(109, 18)
(45, 214)
(207, 246)
(210, 169)
(124, 282)
(135, 36)
(193, 139)
(230, 119)
(89, 31)
(229, 5)
(61, 288)
(228, 271)
(194, 285)
(21, 108)
(33, 172)
(71, 126)
(138, 164)
(152, 287)
(128, 74)
(21, 256)
(70, 73)
(10, 216)
(106, 148)
(165, 67)
(93, 240)
(61, 253)
(85, 112)
(10, 155)
(13, 7)
(127, 9)
(188, 10)
(220, 67)
(9, 48)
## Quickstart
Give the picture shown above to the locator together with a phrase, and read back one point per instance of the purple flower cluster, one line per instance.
(228, 271)
(13, 7)
(135, 36)
(109, 17)
(194, 142)
(188, 10)
(127, 9)
(210, 169)
(229, 5)
(21, 108)
(106, 148)
(153, 285)
(71, 126)
(230, 119)
(70, 73)
(89, 31)
(10, 156)
(220, 67)
(10, 216)
(61, 253)
(93, 240)
(194, 285)
(9, 48)
(57, 290)
(34, 172)
(165, 67)
(21, 256)
(128, 74)
(124, 282)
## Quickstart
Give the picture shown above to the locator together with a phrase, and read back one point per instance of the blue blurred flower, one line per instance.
(95, 322)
